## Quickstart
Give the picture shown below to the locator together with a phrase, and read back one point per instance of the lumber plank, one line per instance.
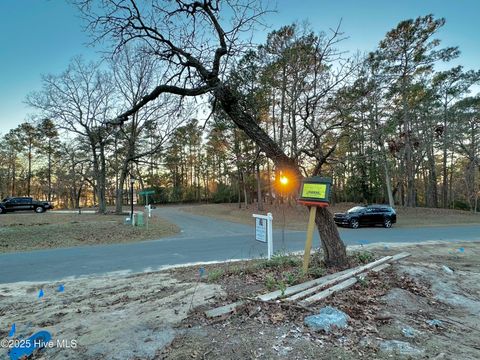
(400, 256)
(303, 286)
(304, 289)
(381, 267)
(223, 310)
(349, 282)
(327, 292)
(335, 280)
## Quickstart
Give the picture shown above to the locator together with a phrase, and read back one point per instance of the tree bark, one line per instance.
(99, 166)
(388, 182)
(444, 163)
(50, 150)
(332, 245)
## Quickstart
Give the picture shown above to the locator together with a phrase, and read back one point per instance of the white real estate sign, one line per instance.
(263, 231)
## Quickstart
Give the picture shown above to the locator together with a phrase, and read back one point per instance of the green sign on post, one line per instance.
(314, 192)
(146, 193)
(315, 189)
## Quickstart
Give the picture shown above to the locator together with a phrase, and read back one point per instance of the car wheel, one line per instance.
(354, 223)
(39, 210)
(387, 223)
(2, 211)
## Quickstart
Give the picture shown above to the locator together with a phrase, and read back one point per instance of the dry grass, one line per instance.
(296, 216)
(29, 231)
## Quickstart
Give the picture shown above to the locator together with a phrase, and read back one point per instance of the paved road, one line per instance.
(202, 239)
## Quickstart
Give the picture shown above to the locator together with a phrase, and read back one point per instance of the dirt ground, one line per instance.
(122, 317)
(29, 231)
(161, 315)
(391, 314)
(295, 216)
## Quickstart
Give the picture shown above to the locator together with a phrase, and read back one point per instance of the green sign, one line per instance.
(147, 192)
(315, 189)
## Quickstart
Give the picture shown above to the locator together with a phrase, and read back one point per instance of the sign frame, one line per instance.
(315, 191)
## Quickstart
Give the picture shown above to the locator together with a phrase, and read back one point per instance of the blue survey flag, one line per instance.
(12, 330)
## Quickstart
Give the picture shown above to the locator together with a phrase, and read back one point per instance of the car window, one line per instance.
(356, 209)
(24, 201)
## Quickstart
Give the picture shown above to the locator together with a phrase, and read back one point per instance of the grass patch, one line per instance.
(282, 260)
(215, 274)
(29, 231)
(278, 273)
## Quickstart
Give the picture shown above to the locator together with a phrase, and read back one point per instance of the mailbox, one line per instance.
(315, 191)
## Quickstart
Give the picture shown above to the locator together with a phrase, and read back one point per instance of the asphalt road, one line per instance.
(202, 239)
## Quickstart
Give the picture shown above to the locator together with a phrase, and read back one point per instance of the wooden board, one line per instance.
(331, 290)
(222, 310)
(345, 276)
(309, 287)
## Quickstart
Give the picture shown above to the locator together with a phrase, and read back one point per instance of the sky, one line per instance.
(41, 36)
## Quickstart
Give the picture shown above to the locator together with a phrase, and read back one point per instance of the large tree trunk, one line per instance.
(335, 251)
(445, 203)
(432, 179)
(411, 198)
(49, 175)
(14, 175)
(29, 169)
(121, 184)
(388, 182)
(99, 166)
(332, 245)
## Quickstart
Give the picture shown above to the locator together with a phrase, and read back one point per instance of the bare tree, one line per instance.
(193, 41)
(134, 77)
(80, 101)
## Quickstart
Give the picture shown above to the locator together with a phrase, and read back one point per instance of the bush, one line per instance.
(461, 205)
(365, 257)
(224, 194)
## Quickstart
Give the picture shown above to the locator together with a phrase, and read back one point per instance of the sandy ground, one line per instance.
(117, 317)
(160, 315)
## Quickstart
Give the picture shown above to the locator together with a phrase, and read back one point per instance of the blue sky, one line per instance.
(41, 36)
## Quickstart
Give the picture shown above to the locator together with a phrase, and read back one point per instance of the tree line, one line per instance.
(386, 127)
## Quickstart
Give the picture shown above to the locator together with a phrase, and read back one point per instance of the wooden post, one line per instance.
(308, 242)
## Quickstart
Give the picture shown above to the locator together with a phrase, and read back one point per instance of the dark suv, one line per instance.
(367, 215)
(24, 204)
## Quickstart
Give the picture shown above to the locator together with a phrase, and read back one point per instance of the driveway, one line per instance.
(202, 239)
